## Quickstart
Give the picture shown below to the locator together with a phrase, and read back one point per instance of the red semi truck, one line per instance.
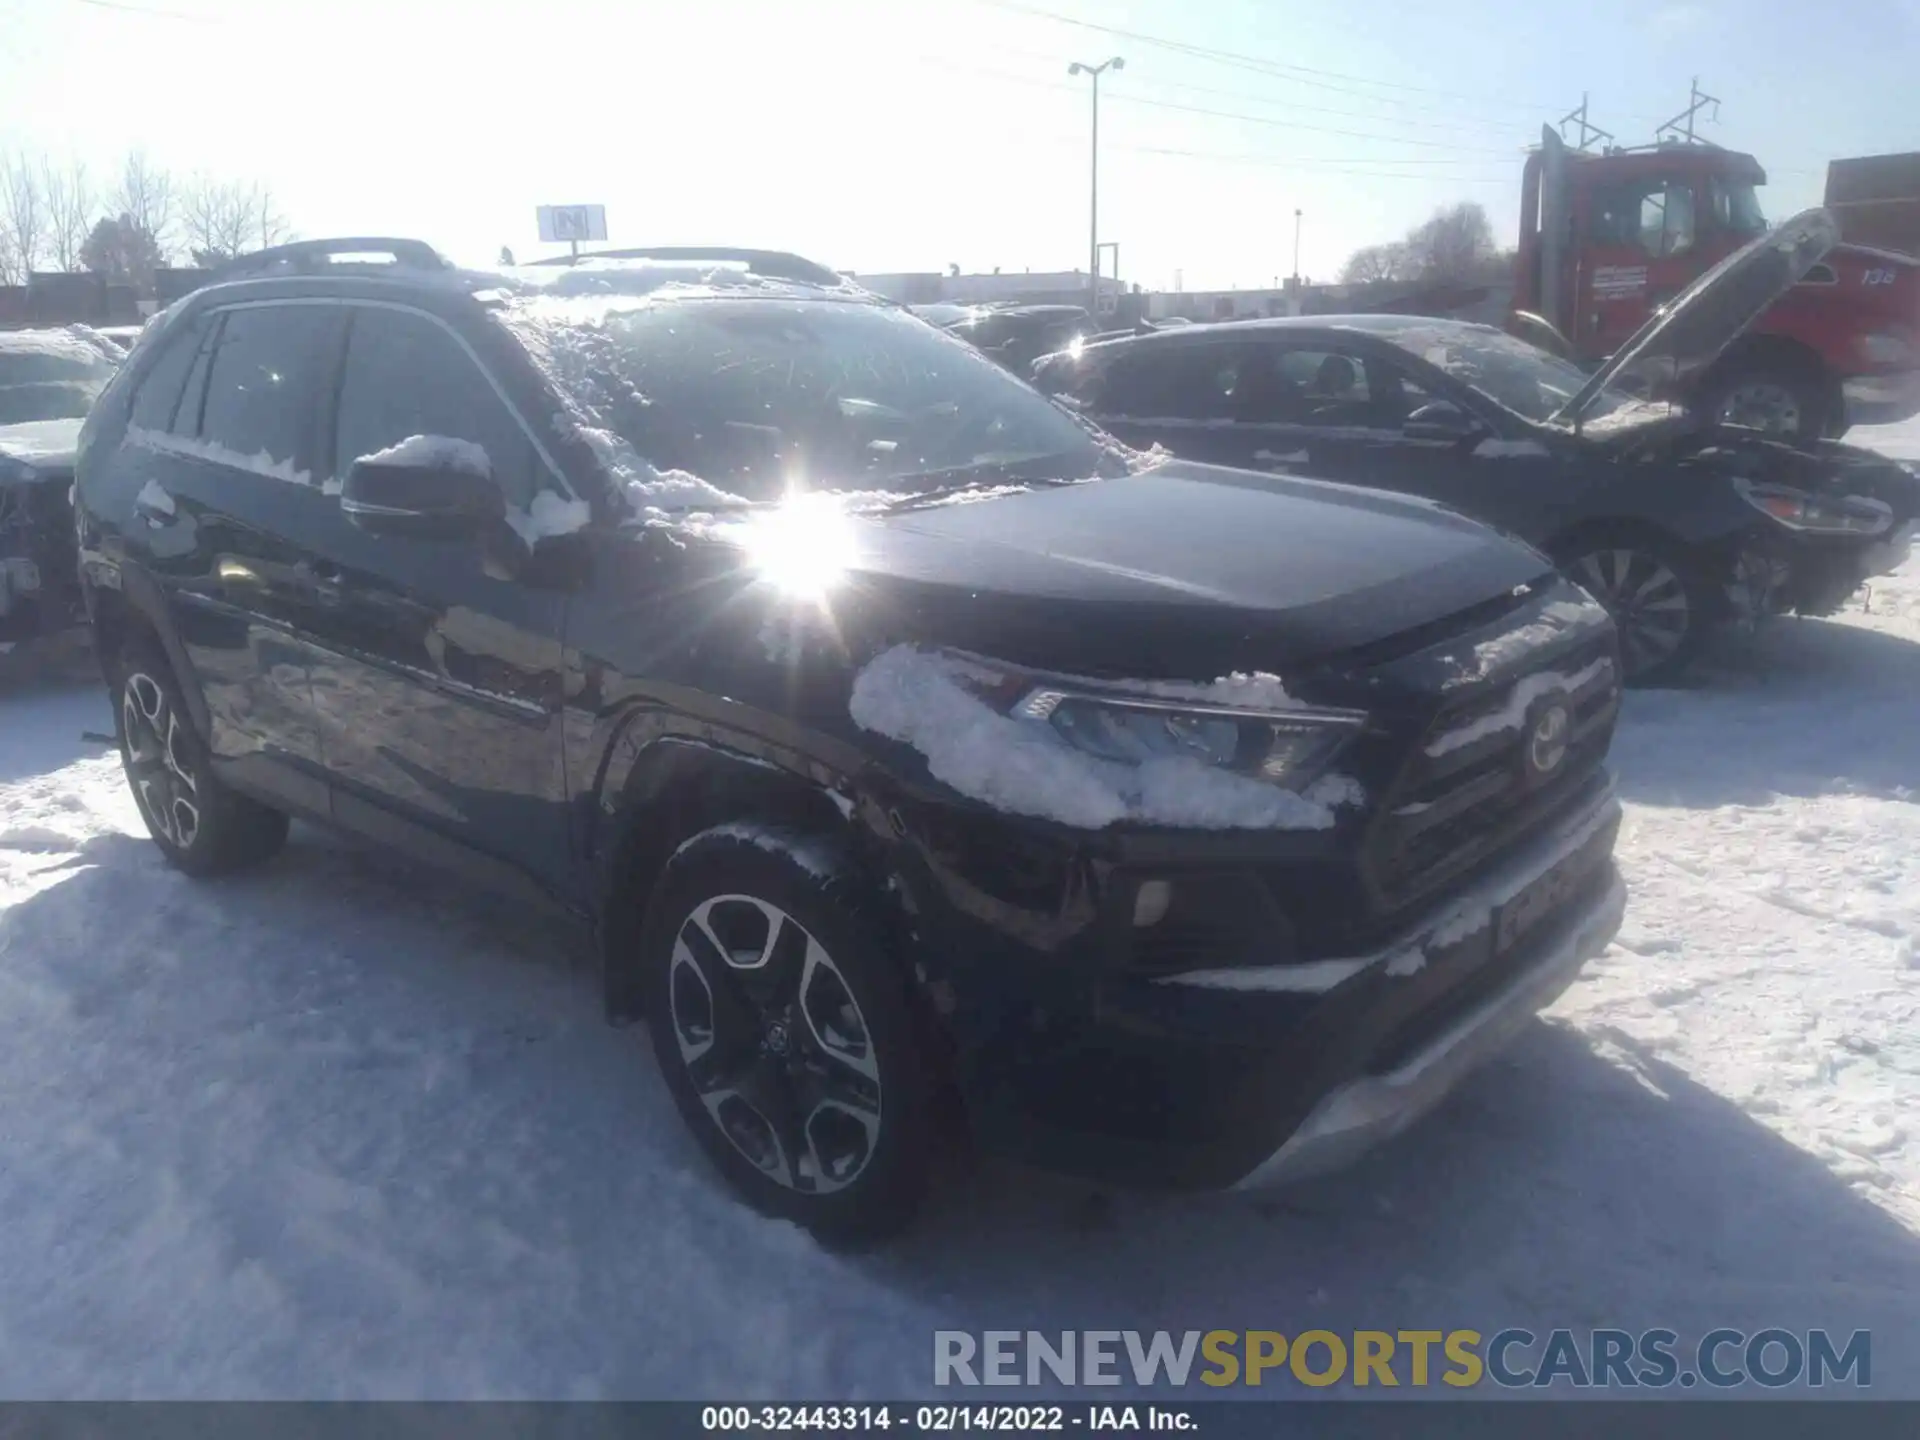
(1608, 236)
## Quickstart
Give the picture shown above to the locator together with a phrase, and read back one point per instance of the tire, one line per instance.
(201, 826)
(814, 1112)
(1656, 595)
(1782, 399)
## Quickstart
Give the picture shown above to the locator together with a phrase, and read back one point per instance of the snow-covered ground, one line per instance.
(335, 1129)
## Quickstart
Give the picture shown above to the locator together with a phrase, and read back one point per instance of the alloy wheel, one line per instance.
(775, 1043)
(1646, 598)
(164, 785)
(1764, 405)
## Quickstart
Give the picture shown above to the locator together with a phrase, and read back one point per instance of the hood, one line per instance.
(1689, 332)
(1182, 569)
(46, 445)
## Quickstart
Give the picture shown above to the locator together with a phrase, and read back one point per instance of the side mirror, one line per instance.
(426, 494)
(1441, 420)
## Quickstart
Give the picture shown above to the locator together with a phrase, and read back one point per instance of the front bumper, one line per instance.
(1209, 1078)
(1365, 1111)
(1882, 399)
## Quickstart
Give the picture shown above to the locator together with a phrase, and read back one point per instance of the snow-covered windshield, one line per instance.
(49, 376)
(758, 396)
(1522, 377)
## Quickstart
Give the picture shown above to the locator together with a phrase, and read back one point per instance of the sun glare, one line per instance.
(803, 547)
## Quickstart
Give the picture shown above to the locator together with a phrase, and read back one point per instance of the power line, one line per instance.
(124, 8)
(1241, 60)
(1122, 97)
(1461, 123)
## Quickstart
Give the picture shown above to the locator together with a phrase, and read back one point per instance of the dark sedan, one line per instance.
(1671, 523)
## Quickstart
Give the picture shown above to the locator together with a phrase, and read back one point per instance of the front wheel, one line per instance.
(200, 825)
(786, 1033)
(1656, 600)
(1788, 403)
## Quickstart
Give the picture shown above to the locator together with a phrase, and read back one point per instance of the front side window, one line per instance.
(406, 376)
(1653, 216)
(270, 382)
(761, 396)
(1736, 209)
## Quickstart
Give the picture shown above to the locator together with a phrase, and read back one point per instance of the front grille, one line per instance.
(1466, 793)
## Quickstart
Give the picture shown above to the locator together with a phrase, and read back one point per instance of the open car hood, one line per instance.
(1687, 334)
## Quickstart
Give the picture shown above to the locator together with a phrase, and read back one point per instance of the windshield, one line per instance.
(1525, 379)
(49, 378)
(760, 396)
(1736, 208)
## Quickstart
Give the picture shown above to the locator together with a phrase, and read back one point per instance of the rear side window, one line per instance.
(271, 381)
(406, 376)
(156, 405)
(1187, 382)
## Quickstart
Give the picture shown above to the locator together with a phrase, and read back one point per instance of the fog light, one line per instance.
(1151, 900)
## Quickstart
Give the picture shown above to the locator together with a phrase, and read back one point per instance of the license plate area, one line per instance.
(1549, 893)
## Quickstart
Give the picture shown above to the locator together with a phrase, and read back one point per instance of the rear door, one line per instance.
(223, 442)
(438, 667)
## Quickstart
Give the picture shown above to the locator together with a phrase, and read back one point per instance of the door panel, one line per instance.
(224, 478)
(1642, 247)
(437, 674)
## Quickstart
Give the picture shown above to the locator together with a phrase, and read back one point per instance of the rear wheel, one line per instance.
(199, 824)
(785, 1033)
(1655, 598)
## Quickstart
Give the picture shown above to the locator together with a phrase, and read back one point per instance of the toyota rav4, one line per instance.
(906, 740)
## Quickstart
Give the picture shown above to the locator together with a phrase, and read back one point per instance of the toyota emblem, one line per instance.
(1547, 741)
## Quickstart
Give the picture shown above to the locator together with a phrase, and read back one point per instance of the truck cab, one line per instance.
(1606, 238)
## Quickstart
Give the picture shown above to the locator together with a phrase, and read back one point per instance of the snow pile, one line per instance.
(437, 452)
(262, 463)
(1024, 767)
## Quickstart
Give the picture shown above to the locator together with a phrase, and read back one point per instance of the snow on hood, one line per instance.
(41, 442)
(1023, 767)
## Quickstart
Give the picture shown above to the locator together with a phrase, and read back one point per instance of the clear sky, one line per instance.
(908, 134)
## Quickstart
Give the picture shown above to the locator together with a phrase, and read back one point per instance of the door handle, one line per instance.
(322, 578)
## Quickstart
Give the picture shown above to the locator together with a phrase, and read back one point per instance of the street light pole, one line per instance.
(1093, 191)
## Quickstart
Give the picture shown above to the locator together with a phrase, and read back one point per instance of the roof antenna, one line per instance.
(1697, 100)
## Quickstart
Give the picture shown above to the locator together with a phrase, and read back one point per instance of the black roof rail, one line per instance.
(317, 255)
(773, 264)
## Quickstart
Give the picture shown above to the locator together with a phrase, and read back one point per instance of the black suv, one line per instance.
(905, 739)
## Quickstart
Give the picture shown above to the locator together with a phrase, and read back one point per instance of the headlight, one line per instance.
(1818, 514)
(1290, 747)
(1885, 349)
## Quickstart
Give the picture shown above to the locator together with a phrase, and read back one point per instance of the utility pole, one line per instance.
(1296, 247)
(1697, 100)
(1093, 190)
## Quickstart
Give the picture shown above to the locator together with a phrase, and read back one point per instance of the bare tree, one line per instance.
(270, 223)
(1374, 263)
(146, 196)
(222, 218)
(216, 218)
(69, 197)
(23, 214)
(1453, 245)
